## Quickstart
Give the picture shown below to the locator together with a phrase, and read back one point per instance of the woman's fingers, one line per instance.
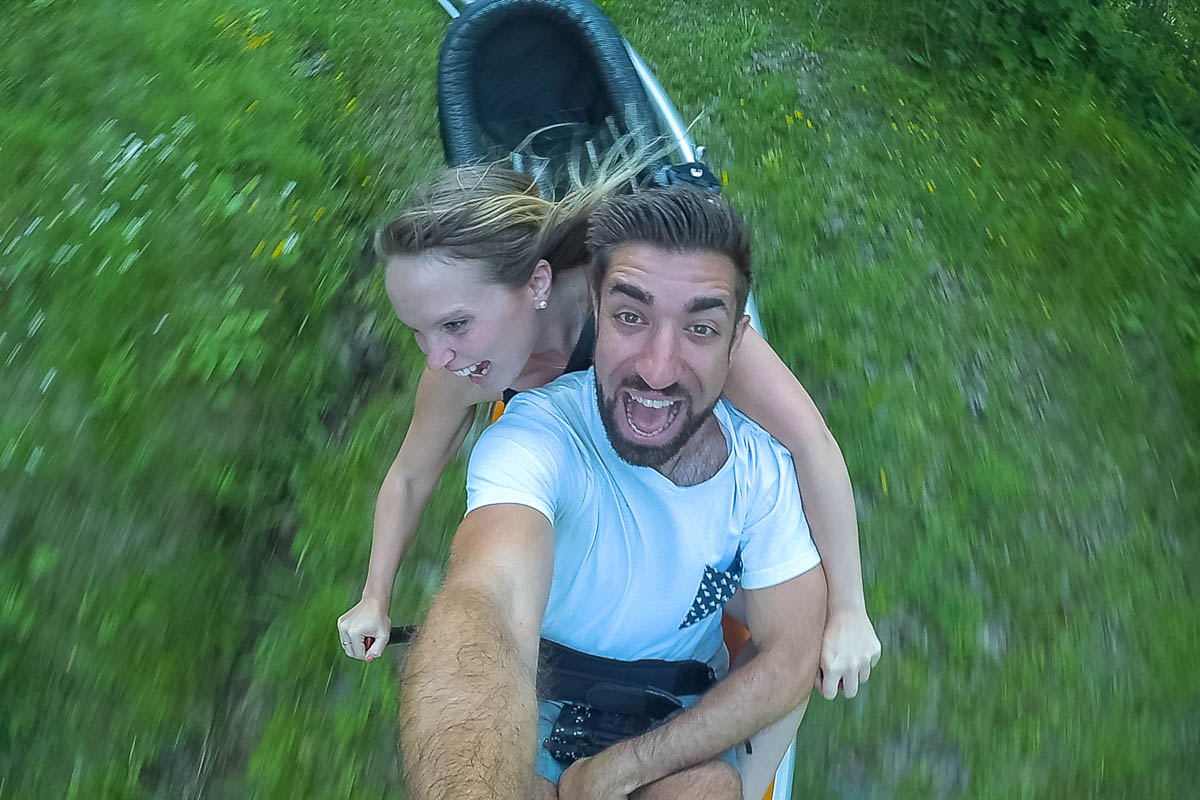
(828, 683)
(864, 673)
(850, 684)
(362, 632)
(376, 644)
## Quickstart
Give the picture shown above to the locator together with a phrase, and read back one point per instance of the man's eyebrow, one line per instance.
(629, 290)
(696, 305)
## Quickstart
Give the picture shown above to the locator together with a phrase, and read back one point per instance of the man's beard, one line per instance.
(643, 455)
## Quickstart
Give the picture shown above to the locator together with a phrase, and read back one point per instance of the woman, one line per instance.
(489, 276)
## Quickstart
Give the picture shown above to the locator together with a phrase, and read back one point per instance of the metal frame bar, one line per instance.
(663, 106)
(783, 776)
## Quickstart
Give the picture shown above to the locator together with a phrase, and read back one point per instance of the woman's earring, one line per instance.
(542, 305)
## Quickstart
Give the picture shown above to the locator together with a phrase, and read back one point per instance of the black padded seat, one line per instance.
(509, 68)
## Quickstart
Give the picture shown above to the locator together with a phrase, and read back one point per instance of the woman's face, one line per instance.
(481, 331)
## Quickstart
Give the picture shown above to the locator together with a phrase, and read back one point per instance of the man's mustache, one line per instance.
(636, 383)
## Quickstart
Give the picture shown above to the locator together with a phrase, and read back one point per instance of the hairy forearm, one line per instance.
(468, 723)
(767, 688)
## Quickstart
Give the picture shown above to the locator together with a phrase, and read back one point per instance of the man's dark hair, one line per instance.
(676, 219)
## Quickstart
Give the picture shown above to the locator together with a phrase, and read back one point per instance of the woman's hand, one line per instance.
(364, 630)
(848, 652)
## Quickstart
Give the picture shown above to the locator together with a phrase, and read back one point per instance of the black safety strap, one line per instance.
(581, 356)
(572, 675)
(568, 674)
(585, 346)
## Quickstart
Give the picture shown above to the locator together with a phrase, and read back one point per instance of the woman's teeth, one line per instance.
(474, 369)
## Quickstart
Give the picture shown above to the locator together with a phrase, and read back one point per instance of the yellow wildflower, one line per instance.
(258, 249)
(929, 186)
(278, 249)
(320, 213)
(255, 42)
(809, 121)
(251, 107)
(883, 480)
(724, 178)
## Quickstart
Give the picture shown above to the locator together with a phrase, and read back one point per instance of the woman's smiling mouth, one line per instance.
(477, 370)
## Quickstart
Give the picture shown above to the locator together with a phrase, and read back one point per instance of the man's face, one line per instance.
(665, 331)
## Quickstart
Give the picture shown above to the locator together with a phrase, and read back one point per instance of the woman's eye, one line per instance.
(455, 326)
(629, 318)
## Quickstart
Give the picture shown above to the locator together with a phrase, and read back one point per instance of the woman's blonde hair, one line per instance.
(493, 215)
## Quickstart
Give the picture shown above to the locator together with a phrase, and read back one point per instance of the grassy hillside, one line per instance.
(986, 274)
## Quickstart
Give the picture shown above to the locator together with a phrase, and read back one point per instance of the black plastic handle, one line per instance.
(402, 634)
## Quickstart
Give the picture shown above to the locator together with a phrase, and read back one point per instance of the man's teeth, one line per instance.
(648, 403)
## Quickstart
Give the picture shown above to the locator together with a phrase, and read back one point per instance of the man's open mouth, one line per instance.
(649, 416)
(477, 370)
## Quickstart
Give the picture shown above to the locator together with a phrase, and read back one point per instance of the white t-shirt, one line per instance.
(642, 567)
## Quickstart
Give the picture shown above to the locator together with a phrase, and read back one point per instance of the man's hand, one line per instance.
(849, 650)
(367, 620)
(588, 779)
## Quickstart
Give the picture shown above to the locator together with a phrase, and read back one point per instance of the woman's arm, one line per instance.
(442, 416)
(763, 388)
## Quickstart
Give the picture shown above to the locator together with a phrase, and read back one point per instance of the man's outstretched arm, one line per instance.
(468, 718)
(786, 622)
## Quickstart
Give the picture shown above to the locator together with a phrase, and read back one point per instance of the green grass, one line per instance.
(993, 302)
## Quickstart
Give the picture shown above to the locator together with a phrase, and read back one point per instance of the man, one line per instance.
(614, 512)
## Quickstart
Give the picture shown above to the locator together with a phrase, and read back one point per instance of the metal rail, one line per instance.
(663, 106)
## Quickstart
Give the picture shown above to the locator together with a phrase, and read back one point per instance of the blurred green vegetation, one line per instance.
(976, 241)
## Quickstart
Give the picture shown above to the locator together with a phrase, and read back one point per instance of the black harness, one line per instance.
(605, 700)
(581, 356)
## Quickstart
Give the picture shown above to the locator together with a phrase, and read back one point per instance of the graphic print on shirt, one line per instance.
(716, 587)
